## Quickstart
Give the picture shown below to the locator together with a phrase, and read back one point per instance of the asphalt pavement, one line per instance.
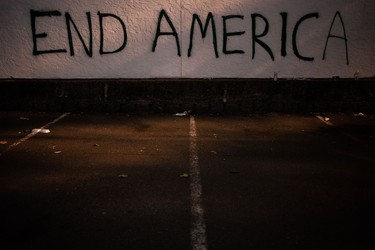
(118, 181)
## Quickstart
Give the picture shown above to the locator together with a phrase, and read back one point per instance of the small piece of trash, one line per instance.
(96, 145)
(122, 176)
(325, 119)
(41, 131)
(58, 152)
(24, 118)
(184, 175)
(3, 142)
(214, 152)
(360, 115)
(185, 113)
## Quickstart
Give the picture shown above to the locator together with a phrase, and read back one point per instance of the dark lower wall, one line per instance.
(214, 96)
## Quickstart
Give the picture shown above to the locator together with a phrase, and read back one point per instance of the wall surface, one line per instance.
(187, 39)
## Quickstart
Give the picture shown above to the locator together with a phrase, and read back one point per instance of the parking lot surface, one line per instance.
(116, 181)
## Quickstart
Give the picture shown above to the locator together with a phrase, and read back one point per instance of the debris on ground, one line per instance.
(360, 115)
(41, 131)
(24, 118)
(142, 150)
(185, 113)
(123, 176)
(325, 119)
(214, 152)
(184, 175)
(55, 150)
(3, 142)
(96, 145)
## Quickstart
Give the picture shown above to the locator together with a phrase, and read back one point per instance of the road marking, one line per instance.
(198, 226)
(325, 120)
(33, 132)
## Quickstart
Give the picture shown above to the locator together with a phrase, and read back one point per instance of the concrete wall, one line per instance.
(157, 39)
(202, 96)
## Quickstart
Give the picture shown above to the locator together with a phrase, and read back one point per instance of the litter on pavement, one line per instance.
(360, 115)
(41, 131)
(185, 113)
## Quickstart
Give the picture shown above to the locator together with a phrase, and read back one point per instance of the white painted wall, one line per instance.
(140, 17)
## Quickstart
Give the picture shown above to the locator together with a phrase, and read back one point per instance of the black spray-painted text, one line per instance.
(260, 27)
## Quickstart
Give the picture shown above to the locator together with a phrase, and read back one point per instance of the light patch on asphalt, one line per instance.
(33, 132)
(198, 226)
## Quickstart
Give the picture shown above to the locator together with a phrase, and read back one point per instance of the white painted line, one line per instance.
(33, 132)
(325, 120)
(198, 226)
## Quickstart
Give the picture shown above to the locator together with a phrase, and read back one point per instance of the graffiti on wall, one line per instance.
(187, 39)
(88, 45)
(200, 26)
